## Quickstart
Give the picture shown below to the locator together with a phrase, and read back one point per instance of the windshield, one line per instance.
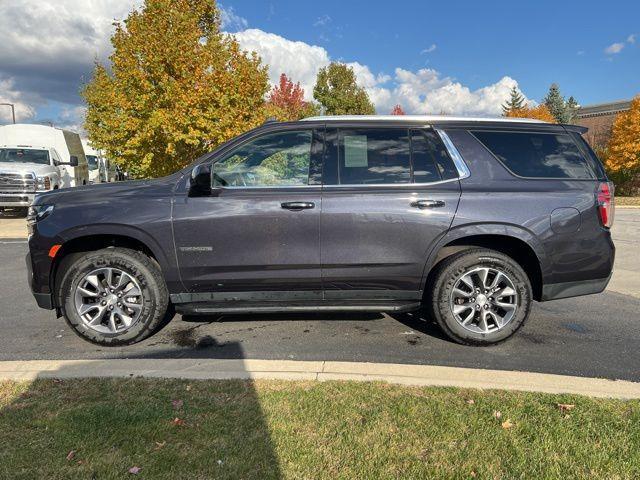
(93, 162)
(20, 155)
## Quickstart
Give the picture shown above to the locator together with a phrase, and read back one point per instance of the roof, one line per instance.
(418, 118)
(604, 108)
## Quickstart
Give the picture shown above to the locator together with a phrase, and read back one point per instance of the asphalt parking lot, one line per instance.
(595, 336)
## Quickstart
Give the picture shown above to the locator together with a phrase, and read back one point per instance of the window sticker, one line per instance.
(355, 151)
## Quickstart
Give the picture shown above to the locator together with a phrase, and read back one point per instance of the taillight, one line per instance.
(605, 203)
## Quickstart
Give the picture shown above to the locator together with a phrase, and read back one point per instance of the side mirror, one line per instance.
(200, 183)
(73, 161)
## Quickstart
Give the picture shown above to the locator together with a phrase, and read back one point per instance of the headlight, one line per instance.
(44, 183)
(38, 212)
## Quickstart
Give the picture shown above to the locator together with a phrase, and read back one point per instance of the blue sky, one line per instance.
(431, 57)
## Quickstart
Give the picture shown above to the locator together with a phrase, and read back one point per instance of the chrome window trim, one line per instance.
(463, 170)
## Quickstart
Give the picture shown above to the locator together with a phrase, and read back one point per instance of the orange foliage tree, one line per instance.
(624, 145)
(286, 101)
(176, 88)
(397, 110)
(541, 112)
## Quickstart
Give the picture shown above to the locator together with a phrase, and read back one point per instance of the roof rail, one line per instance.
(270, 120)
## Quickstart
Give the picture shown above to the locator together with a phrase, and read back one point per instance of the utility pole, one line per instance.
(13, 110)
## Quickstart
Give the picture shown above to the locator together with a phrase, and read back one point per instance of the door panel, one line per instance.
(376, 240)
(260, 229)
(243, 240)
(389, 195)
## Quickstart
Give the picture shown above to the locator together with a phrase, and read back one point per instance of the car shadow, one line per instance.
(81, 421)
(419, 322)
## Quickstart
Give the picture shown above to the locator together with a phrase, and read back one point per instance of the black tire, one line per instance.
(438, 295)
(156, 311)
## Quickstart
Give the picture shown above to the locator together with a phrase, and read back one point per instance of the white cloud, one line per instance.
(614, 48)
(429, 49)
(322, 20)
(9, 94)
(231, 21)
(422, 91)
(631, 38)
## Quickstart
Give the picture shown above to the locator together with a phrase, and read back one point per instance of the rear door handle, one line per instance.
(427, 204)
(297, 205)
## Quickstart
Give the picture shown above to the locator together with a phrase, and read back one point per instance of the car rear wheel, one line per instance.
(479, 297)
(115, 296)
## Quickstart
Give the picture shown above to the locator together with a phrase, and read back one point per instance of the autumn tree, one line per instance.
(338, 93)
(397, 110)
(516, 101)
(286, 101)
(176, 88)
(623, 153)
(541, 112)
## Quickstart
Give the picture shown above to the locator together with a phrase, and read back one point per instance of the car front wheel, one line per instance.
(115, 296)
(479, 296)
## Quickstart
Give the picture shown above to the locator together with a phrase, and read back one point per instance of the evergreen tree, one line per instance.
(338, 94)
(556, 104)
(572, 110)
(515, 102)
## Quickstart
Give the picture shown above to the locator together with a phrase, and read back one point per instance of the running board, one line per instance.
(195, 309)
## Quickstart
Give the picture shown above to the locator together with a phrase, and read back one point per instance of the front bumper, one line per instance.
(43, 299)
(16, 199)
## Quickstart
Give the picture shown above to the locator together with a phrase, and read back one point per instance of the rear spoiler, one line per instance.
(575, 128)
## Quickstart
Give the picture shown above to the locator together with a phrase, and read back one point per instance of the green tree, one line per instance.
(177, 87)
(556, 104)
(337, 92)
(515, 102)
(572, 110)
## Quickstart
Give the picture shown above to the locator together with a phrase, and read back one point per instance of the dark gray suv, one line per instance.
(470, 219)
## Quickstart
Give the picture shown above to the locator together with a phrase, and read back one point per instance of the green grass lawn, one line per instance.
(275, 429)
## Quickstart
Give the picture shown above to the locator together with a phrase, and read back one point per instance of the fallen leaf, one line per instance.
(565, 407)
(159, 445)
(134, 470)
(188, 388)
(507, 424)
(178, 422)
(57, 380)
(471, 401)
(497, 414)
(70, 455)
(177, 404)
(473, 474)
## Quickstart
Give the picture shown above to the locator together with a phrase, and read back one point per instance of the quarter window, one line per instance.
(374, 156)
(537, 155)
(275, 159)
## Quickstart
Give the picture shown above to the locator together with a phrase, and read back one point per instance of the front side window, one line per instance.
(272, 160)
(19, 155)
(92, 160)
(373, 156)
(537, 155)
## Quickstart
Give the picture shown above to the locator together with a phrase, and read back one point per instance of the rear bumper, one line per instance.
(555, 291)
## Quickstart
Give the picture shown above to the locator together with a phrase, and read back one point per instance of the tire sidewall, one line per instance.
(127, 263)
(468, 261)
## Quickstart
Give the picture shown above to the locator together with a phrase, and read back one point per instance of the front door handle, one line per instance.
(297, 205)
(427, 204)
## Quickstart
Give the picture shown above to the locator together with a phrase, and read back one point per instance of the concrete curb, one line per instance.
(421, 375)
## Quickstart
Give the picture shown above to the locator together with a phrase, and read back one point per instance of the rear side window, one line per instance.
(537, 155)
(431, 162)
(374, 156)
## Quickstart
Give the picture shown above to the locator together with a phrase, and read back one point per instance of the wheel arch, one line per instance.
(516, 242)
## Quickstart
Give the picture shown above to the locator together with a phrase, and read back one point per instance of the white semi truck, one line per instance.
(37, 158)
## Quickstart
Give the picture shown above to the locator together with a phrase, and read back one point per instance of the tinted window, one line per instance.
(374, 156)
(430, 159)
(275, 159)
(18, 155)
(538, 155)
